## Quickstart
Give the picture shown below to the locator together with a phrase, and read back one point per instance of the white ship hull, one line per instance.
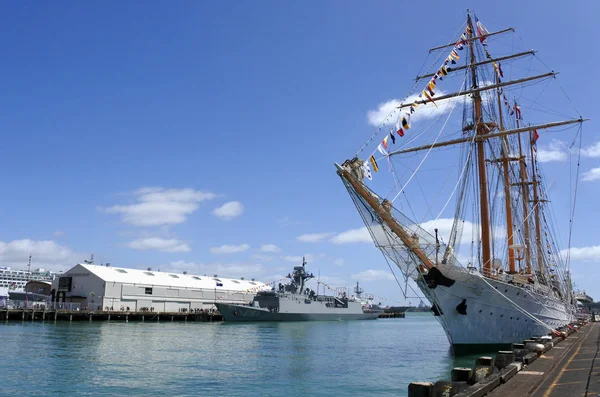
(497, 313)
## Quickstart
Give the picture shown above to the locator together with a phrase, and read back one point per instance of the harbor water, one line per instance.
(377, 357)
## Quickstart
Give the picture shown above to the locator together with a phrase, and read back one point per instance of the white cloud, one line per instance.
(297, 258)
(592, 175)
(592, 151)
(159, 206)
(555, 151)
(229, 210)
(231, 270)
(584, 254)
(373, 275)
(269, 248)
(338, 262)
(261, 257)
(229, 249)
(387, 111)
(470, 230)
(45, 254)
(159, 244)
(314, 237)
(352, 236)
(291, 258)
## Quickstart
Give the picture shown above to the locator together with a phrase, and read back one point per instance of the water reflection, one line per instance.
(269, 359)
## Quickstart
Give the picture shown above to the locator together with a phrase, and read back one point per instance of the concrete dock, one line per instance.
(569, 369)
(561, 364)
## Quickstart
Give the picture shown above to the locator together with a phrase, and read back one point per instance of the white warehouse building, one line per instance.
(99, 287)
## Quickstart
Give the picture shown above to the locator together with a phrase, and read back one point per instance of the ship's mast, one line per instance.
(525, 201)
(536, 209)
(486, 257)
(505, 170)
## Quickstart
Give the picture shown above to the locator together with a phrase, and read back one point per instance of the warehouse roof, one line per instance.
(158, 278)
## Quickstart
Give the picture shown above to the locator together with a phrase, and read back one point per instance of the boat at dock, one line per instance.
(295, 302)
(496, 275)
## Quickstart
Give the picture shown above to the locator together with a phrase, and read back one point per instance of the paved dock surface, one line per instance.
(570, 369)
(577, 372)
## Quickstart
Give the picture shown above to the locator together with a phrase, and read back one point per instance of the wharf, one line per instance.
(88, 315)
(569, 369)
(392, 315)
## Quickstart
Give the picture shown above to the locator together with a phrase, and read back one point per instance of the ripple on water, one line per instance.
(203, 359)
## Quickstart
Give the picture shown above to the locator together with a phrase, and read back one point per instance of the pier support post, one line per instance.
(23, 315)
(70, 317)
(90, 317)
(55, 315)
(485, 361)
(32, 315)
(109, 317)
(420, 389)
(142, 318)
(157, 317)
(503, 358)
(127, 318)
(44, 315)
(461, 374)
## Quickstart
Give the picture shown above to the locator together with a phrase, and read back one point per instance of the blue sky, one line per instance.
(201, 136)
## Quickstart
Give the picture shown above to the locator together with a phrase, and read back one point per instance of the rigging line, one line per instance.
(574, 198)
(525, 312)
(459, 180)
(560, 86)
(409, 93)
(429, 151)
(408, 168)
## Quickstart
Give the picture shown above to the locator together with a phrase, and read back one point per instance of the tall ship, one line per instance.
(451, 190)
(295, 302)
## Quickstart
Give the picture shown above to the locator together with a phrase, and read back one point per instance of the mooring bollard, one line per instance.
(485, 361)
(461, 374)
(503, 358)
(420, 389)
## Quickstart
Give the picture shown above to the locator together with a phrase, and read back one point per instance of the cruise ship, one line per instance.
(14, 280)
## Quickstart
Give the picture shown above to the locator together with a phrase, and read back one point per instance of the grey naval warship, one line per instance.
(294, 302)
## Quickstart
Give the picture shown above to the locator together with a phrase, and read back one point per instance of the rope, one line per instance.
(383, 123)
(458, 182)
(574, 199)
(525, 312)
(431, 147)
